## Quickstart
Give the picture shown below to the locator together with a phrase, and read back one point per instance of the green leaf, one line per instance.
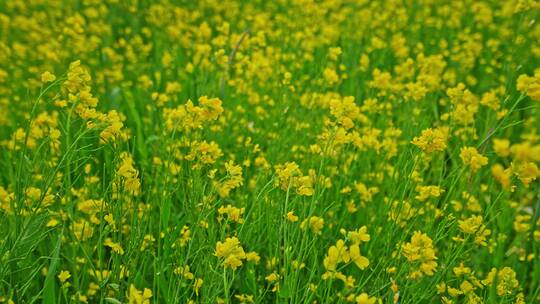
(49, 288)
(112, 300)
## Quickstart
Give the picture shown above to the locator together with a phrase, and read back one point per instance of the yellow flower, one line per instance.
(234, 214)
(189, 117)
(336, 254)
(77, 78)
(359, 260)
(461, 270)
(291, 216)
(364, 62)
(231, 253)
(272, 277)
(290, 176)
(304, 186)
(129, 175)
(465, 104)
(197, 284)
(524, 152)
(345, 111)
(285, 172)
(334, 53)
(502, 175)
(431, 140)
(315, 223)
(330, 76)
(526, 172)
(136, 296)
(116, 247)
(339, 253)
(425, 192)
(211, 108)
(359, 236)
(253, 257)
(505, 279)
(184, 271)
(64, 276)
(466, 287)
(52, 223)
(234, 180)
(471, 157)
(364, 298)
(244, 298)
(82, 229)
(113, 122)
(474, 225)
(206, 153)
(47, 77)
(530, 85)
(421, 252)
(501, 147)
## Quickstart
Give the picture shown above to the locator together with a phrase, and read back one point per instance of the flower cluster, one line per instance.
(421, 253)
(340, 253)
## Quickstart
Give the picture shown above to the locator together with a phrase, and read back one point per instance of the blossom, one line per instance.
(234, 179)
(47, 77)
(345, 111)
(530, 85)
(431, 140)
(360, 235)
(113, 122)
(77, 77)
(501, 147)
(315, 223)
(330, 76)
(526, 172)
(336, 254)
(290, 176)
(425, 192)
(63, 276)
(188, 117)
(471, 157)
(136, 296)
(502, 175)
(116, 247)
(230, 252)
(341, 253)
(474, 226)
(360, 261)
(234, 214)
(505, 278)
(364, 298)
(421, 252)
(292, 217)
(205, 152)
(129, 176)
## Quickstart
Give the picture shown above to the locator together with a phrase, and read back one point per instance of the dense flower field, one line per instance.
(288, 151)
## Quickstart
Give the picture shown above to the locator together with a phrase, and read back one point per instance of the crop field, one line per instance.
(287, 151)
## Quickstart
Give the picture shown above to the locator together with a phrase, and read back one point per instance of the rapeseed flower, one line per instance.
(473, 159)
(230, 252)
(421, 252)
